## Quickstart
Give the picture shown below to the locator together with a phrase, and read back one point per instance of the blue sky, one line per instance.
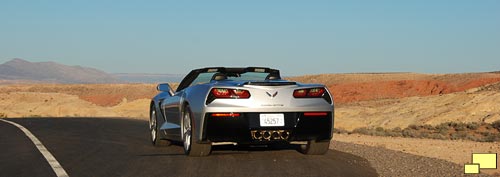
(298, 37)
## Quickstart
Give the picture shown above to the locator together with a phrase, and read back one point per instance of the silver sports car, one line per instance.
(241, 106)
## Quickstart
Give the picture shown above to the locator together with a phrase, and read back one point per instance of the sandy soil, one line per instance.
(100, 94)
(470, 106)
(456, 151)
(30, 104)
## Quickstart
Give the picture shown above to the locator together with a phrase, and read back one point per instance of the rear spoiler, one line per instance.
(270, 83)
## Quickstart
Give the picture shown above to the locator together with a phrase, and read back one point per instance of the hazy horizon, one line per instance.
(283, 74)
(299, 38)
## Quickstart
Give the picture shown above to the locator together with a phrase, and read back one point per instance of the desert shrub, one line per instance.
(443, 132)
(472, 138)
(397, 129)
(496, 125)
(484, 133)
(447, 124)
(410, 133)
(413, 127)
(425, 135)
(473, 126)
(458, 135)
(443, 127)
(428, 127)
(491, 137)
(393, 134)
(380, 133)
(3, 115)
(361, 130)
(340, 131)
(460, 126)
(452, 124)
(437, 136)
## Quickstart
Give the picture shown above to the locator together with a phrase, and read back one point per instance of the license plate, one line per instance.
(272, 120)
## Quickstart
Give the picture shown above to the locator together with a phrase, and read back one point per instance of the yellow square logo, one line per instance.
(471, 169)
(485, 161)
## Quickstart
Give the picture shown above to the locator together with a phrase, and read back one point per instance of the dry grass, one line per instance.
(73, 100)
(481, 132)
(331, 79)
(99, 94)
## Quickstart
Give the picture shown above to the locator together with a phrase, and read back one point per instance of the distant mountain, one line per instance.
(149, 78)
(19, 69)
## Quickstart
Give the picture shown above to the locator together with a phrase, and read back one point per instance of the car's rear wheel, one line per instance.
(191, 147)
(315, 148)
(154, 129)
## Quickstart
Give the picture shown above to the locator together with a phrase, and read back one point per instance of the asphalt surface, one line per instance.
(121, 147)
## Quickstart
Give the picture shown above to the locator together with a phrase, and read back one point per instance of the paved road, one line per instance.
(121, 147)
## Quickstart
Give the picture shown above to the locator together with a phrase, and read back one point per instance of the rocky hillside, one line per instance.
(349, 88)
(24, 71)
(474, 105)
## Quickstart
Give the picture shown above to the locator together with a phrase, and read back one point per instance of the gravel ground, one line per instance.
(393, 163)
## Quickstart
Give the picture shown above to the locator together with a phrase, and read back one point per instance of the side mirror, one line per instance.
(165, 87)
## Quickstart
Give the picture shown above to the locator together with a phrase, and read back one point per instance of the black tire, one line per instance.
(315, 148)
(192, 148)
(154, 126)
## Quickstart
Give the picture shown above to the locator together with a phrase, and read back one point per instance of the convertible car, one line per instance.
(241, 106)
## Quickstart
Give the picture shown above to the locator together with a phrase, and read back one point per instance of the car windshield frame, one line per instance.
(193, 78)
(249, 76)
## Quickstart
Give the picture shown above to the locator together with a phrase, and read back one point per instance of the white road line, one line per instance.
(58, 169)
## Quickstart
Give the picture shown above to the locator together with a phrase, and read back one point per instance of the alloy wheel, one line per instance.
(152, 125)
(187, 131)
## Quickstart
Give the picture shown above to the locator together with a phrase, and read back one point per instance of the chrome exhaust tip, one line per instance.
(275, 135)
(256, 135)
(266, 135)
(284, 135)
(270, 135)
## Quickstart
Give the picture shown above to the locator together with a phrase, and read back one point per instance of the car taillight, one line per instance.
(309, 93)
(316, 92)
(226, 114)
(221, 93)
(230, 93)
(314, 114)
(300, 93)
(241, 93)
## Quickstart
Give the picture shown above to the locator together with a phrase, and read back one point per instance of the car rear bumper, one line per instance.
(246, 128)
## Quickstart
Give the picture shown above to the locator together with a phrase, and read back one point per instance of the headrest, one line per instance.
(219, 76)
(272, 76)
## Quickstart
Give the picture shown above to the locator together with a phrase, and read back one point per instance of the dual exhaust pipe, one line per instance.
(269, 135)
